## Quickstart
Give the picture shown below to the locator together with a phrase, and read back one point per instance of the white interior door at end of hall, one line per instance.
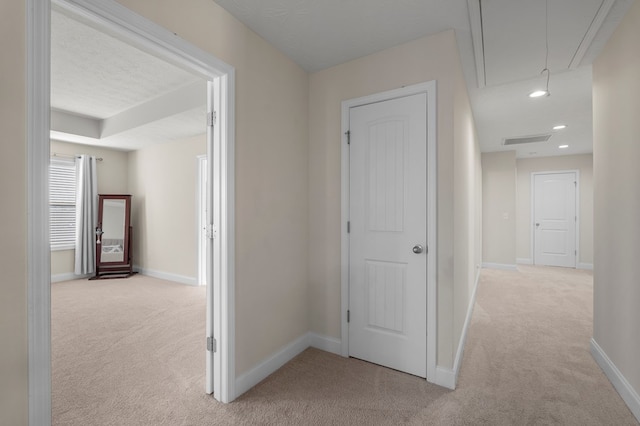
(555, 219)
(388, 218)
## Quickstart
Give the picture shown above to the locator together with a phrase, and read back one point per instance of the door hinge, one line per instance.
(211, 344)
(575, 252)
(348, 316)
(212, 232)
(348, 227)
(575, 183)
(348, 133)
(211, 118)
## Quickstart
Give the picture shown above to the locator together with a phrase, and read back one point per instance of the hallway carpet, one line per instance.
(130, 352)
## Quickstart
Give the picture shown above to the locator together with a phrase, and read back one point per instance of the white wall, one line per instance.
(162, 182)
(425, 59)
(499, 208)
(616, 183)
(584, 164)
(112, 179)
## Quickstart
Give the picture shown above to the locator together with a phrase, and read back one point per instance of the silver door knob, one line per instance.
(537, 224)
(417, 249)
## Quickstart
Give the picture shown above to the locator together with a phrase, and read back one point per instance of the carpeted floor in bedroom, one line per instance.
(130, 352)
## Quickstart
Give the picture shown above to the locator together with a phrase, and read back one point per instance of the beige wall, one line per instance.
(499, 207)
(467, 210)
(112, 179)
(616, 108)
(13, 226)
(584, 164)
(271, 173)
(425, 59)
(162, 181)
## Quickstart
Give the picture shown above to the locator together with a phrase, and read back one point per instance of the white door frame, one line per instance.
(430, 89)
(161, 42)
(533, 208)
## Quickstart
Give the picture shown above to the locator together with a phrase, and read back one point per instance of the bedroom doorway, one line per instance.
(218, 343)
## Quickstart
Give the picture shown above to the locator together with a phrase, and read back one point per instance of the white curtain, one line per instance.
(86, 215)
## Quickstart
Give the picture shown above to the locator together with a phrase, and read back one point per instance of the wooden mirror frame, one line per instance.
(117, 269)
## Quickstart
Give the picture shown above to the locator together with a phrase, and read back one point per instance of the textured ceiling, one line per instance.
(97, 76)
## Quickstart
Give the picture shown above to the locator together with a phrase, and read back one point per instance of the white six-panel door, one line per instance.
(388, 233)
(554, 217)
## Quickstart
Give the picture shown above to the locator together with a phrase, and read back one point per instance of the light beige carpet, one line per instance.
(130, 352)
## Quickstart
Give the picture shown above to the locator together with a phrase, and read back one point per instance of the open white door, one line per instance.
(209, 242)
(555, 219)
(388, 233)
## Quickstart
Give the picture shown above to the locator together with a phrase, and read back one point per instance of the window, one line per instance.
(62, 204)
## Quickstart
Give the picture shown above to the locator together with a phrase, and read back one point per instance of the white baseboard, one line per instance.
(445, 377)
(465, 328)
(586, 266)
(325, 343)
(503, 266)
(247, 380)
(181, 279)
(523, 261)
(69, 276)
(626, 391)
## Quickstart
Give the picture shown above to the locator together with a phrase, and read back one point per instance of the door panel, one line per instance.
(388, 208)
(555, 219)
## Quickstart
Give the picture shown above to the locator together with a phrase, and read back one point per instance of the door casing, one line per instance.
(430, 89)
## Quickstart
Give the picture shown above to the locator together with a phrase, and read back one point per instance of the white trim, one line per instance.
(588, 38)
(167, 276)
(533, 217)
(325, 343)
(445, 377)
(465, 328)
(247, 380)
(627, 392)
(523, 261)
(69, 276)
(38, 261)
(503, 266)
(585, 266)
(153, 38)
(475, 20)
(432, 326)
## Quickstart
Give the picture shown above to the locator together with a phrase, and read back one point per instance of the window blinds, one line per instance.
(62, 204)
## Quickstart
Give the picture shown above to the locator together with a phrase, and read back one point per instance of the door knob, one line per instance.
(417, 249)
(537, 224)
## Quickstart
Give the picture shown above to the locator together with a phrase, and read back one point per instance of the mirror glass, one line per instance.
(113, 223)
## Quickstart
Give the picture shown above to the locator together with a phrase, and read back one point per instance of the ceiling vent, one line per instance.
(527, 139)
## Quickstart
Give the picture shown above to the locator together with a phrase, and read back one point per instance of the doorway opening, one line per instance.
(162, 43)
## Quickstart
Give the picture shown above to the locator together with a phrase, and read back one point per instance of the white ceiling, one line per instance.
(105, 92)
(113, 94)
(501, 43)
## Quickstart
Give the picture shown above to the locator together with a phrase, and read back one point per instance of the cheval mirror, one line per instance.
(113, 237)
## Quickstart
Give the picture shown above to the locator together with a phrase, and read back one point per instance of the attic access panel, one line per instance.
(513, 36)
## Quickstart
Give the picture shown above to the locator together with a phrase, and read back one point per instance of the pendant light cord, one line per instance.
(546, 41)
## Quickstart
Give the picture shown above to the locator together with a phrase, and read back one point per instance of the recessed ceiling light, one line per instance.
(560, 127)
(538, 94)
(563, 146)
